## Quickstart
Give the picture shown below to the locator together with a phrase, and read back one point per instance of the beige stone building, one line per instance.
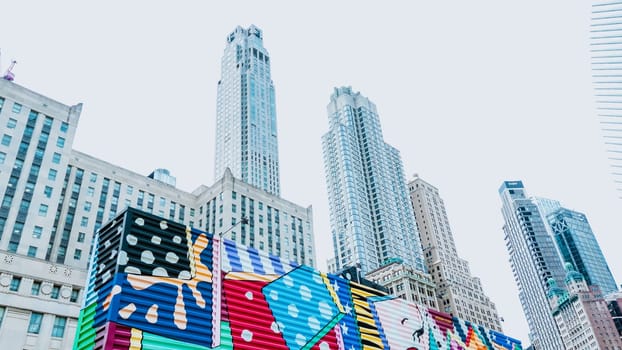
(405, 282)
(458, 292)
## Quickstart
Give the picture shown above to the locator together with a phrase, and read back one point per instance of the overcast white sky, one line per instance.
(471, 92)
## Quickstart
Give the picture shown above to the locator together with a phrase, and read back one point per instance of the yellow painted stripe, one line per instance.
(332, 292)
(136, 339)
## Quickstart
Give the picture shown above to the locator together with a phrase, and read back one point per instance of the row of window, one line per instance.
(35, 289)
(36, 318)
(6, 141)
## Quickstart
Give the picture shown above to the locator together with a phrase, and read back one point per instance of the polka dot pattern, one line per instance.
(309, 312)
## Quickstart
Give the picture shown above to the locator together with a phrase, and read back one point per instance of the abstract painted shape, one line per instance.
(318, 303)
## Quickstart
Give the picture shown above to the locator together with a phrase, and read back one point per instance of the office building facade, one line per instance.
(407, 283)
(246, 130)
(534, 260)
(578, 245)
(581, 314)
(458, 292)
(370, 217)
(54, 198)
(605, 47)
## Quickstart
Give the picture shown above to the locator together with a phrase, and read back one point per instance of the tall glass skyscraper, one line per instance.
(246, 132)
(577, 245)
(371, 217)
(606, 55)
(534, 260)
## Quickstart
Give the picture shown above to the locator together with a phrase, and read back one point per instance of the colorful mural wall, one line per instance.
(155, 284)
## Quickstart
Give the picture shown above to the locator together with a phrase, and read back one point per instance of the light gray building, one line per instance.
(371, 219)
(54, 198)
(605, 47)
(534, 260)
(459, 293)
(246, 130)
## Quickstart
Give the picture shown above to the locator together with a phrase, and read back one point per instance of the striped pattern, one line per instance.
(238, 258)
(268, 303)
(606, 56)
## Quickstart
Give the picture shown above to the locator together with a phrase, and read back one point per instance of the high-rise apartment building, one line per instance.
(246, 131)
(370, 216)
(54, 198)
(581, 314)
(577, 245)
(458, 292)
(605, 47)
(534, 260)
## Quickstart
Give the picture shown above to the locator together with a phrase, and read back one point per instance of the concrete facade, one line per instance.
(54, 198)
(458, 292)
(406, 282)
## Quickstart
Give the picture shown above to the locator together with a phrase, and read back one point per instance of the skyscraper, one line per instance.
(534, 261)
(458, 292)
(370, 215)
(246, 132)
(53, 198)
(605, 47)
(577, 245)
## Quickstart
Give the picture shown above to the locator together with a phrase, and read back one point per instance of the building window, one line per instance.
(56, 158)
(36, 287)
(77, 254)
(90, 191)
(75, 293)
(162, 201)
(87, 206)
(6, 140)
(35, 322)
(64, 127)
(60, 142)
(32, 251)
(81, 236)
(260, 205)
(130, 190)
(93, 177)
(1, 309)
(234, 195)
(15, 282)
(52, 175)
(17, 107)
(59, 326)
(234, 208)
(84, 222)
(11, 124)
(55, 292)
(2, 157)
(43, 210)
(36, 232)
(47, 191)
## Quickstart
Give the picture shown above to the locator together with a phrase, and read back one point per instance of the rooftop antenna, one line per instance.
(8, 75)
